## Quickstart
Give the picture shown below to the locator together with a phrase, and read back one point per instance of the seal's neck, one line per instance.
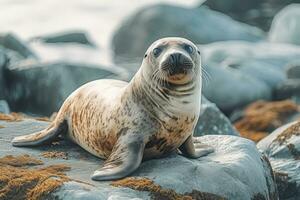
(165, 97)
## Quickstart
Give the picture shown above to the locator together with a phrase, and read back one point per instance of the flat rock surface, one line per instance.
(235, 162)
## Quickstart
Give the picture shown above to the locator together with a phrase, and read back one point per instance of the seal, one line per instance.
(150, 117)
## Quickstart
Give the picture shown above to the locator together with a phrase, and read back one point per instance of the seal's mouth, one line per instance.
(177, 67)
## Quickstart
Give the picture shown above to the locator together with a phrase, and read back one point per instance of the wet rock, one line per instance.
(293, 70)
(282, 147)
(4, 108)
(3, 63)
(200, 25)
(261, 118)
(212, 121)
(235, 162)
(228, 61)
(230, 89)
(290, 88)
(12, 42)
(66, 37)
(286, 25)
(259, 13)
(41, 88)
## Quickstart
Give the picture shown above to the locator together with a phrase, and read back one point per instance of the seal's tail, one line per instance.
(41, 137)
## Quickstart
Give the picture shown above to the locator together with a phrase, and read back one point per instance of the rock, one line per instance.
(41, 88)
(232, 6)
(237, 64)
(236, 53)
(261, 70)
(290, 88)
(200, 25)
(230, 89)
(260, 118)
(235, 162)
(286, 25)
(257, 13)
(12, 42)
(282, 147)
(293, 70)
(212, 121)
(4, 108)
(3, 63)
(67, 37)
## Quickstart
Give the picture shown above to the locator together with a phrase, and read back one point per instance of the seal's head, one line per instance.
(175, 60)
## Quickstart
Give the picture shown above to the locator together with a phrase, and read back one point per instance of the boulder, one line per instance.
(286, 25)
(79, 37)
(258, 13)
(238, 66)
(230, 89)
(3, 63)
(200, 25)
(287, 89)
(293, 70)
(4, 107)
(12, 42)
(41, 88)
(282, 147)
(236, 162)
(212, 121)
(232, 6)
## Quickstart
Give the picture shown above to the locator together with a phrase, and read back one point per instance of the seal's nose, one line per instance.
(179, 63)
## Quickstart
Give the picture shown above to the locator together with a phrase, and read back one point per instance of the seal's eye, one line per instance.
(145, 56)
(189, 48)
(156, 52)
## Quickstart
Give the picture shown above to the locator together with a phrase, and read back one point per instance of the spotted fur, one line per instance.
(149, 117)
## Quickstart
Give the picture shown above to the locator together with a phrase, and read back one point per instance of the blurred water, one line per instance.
(29, 18)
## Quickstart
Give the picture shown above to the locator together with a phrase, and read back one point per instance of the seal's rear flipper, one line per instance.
(126, 157)
(41, 137)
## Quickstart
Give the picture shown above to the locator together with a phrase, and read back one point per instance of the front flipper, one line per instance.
(125, 158)
(197, 150)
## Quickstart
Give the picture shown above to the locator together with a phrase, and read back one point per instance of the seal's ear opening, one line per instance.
(145, 56)
(198, 52)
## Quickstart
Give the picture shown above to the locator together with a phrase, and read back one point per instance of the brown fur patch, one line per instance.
(159, 193)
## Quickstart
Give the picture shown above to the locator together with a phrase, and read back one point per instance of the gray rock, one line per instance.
(3, 63)
(212, 121)
(41, 88)
(282, 147)
(293, 70)
(67, 37)
(4, 108)
(200, 25)
(232, 6)
(261, 71)
(12, 42)
(286, 25)
(230, 89)
(266, 63)
(236, 170)
(287, 89)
